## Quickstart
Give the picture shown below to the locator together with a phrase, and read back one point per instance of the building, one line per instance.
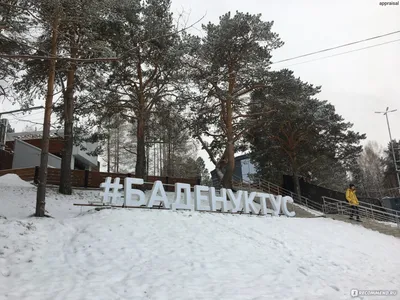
(243, 170)
(22, 150)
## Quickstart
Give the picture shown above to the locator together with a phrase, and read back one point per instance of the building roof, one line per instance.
(32, 135)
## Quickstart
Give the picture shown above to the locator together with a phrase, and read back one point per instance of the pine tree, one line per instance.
(225, 67)
(371, 171)
(14, 23)
(390, 176)
(78, 40)
(143, 35)
(303, 135)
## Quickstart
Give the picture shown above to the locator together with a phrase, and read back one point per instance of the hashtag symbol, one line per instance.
(111, 192)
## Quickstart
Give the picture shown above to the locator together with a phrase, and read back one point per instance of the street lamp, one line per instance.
(391, 141)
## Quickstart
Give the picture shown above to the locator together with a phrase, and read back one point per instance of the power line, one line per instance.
(21, 110)
(342, 53)
(337, 47)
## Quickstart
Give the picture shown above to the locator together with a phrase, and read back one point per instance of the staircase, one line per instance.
(260, 185)
(337, 209)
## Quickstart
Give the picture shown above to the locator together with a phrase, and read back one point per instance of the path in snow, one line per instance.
(382, 227)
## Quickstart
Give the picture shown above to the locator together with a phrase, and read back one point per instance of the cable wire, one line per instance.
(337, 47)
(338, 54)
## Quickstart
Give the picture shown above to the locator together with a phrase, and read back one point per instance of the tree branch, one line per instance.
(207, 149)
(83, 60)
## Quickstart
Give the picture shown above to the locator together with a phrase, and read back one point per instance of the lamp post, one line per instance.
(385, 113)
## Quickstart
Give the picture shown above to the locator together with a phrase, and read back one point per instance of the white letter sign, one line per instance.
(229, 201)
(129, 192)
(187, 197)
(198, 197)
(213, 199)
(158, 188)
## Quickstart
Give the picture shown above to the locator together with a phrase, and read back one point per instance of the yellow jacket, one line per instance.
(351, 197)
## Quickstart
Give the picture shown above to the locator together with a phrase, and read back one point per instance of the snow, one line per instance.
(157, 254)
(311, 211)
(391, 224)
(13, 180)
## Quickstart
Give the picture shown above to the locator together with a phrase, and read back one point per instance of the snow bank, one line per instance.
(13, 180)
(153, 254)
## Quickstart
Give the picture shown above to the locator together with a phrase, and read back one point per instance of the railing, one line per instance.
(268, 187)
(366, 210)
(328, 205)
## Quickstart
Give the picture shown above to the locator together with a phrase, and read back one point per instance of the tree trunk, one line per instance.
(108, 151)
(118, 145)
(160, 159)
(296, 182)
(230, 150)
(147, 160)
(141, 149)
(169, 171)
(66, 174)
(227, 180)
(44, 158)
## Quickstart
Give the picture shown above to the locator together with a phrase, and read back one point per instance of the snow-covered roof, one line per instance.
(32, 135)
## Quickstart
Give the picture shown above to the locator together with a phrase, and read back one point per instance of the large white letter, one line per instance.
(129, 192)
(187, 198)
(213, 199)
(111, 191)
(276, 204)
(248, 202)
(158, 188)
(235, 200)
(285, 210)
(198, 197)
(263, 203)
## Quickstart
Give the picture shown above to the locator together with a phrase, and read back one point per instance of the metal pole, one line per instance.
(372, 212)
(394, 154)
(386, 113)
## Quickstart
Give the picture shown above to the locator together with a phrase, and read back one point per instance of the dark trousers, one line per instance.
(354, 211)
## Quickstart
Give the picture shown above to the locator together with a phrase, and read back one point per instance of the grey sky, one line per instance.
(358, 84)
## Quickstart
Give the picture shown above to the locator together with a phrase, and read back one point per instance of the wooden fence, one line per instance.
(93, 179)
(27, 174)
(6, 159)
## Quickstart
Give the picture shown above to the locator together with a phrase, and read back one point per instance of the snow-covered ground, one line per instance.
(311, 211)
(154, 254)
(391, 224)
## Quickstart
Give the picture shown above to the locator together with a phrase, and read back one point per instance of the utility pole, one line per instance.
(397, 170)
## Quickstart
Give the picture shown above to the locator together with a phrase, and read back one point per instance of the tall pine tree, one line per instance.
(226, 65)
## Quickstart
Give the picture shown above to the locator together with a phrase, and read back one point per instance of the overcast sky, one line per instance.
(358, 83)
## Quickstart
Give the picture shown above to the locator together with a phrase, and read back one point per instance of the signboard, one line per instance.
(203, 198)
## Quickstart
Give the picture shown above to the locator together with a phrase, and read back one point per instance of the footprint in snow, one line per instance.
(335, 288)
(6, 272)
(302, 271)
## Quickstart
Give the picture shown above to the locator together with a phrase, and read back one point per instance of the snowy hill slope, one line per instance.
(152, 254)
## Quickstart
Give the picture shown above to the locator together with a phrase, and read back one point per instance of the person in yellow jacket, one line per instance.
(353, 201)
